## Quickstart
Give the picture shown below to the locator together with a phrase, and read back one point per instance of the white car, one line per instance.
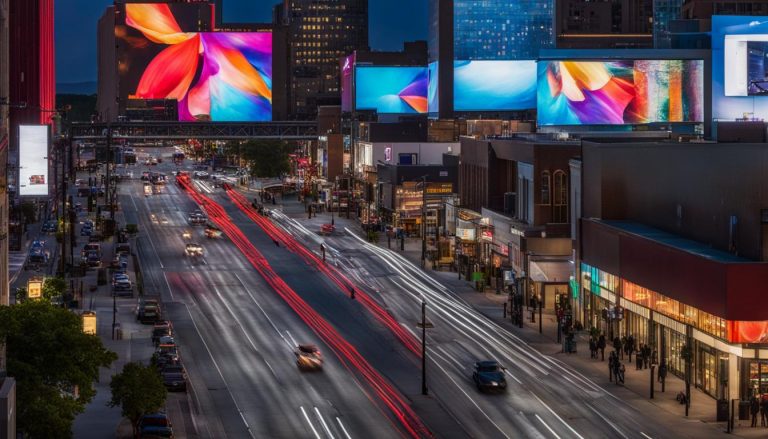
(193, 249)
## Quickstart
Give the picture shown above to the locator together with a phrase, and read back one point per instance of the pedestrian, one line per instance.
(654, 357)
(764, 410)
(351, 292)
(622, 369)
(662, 371)
(601, 346)
(630, 346)
(638, 361)
(592, 348)
(277, 244)
(617, 346)
(610, 367)
(646, 354)
(754, 409)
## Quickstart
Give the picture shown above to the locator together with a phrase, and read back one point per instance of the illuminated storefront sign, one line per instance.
(465, 234)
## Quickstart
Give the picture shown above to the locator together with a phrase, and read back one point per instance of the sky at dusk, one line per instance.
(390, 23)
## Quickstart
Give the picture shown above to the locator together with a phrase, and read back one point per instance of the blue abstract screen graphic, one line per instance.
(433, 101)
(494, 85)
(397, 90)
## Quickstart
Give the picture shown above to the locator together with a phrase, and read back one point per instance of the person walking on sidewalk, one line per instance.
(764, 410)
(622, 369)
(617, 346)
(662, 371)
(639, 359)
(754, 408)
(592, 348)
(630, 346)
(646, 356)
(610, 367)
(601, 346)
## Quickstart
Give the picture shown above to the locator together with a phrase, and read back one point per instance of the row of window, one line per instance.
(558, 198)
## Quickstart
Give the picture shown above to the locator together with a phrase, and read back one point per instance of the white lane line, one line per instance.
(547, 426)
(342, 428)
(169, 286)
(322, 421)
(218, 369)
(557, 416)
(157, 255)
(513, 377)
(293, 340)
(304, 412)
(242, 328)
(262, 311)
(607, 422)
(645, 435)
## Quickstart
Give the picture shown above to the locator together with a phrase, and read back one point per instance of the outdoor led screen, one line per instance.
(433, 101)
(33, 160)
(620, 92)
(737, 68)
(398, 90)
(218, 76)
(494, 85)
(347, 68)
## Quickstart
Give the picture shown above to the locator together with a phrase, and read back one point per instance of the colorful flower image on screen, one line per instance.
(433, 96)
(620, 92)
(398, 90)
(494, 85)
(218, 76)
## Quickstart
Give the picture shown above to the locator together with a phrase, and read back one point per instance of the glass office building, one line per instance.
(664, 11)
(502, 29)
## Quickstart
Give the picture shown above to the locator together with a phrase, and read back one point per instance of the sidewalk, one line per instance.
(637, 383)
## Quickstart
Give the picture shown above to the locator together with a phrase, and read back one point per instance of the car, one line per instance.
(86, 231)
(37, 256)
(202, 175)
(91, 246)
(166, 340)
(170, 350)
(174, 381)
(155, 425)
(50, 226)
(197, 218)
(159, 331)
(119, 276)
(489, 376)
(308, 357)
(93, 259)
(149, 315)
(211, 231)
(186, 234)
(122, 285)
(193, 249)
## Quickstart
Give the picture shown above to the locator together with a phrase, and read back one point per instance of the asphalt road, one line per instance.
(237, 336)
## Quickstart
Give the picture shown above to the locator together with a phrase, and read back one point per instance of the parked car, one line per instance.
(86, 230)
(161, 329)
(489, 376)
(148, 312)
(93, 260)
(174, 381)
(122, 286)
(155, 425)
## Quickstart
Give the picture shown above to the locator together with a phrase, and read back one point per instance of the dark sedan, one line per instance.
(174, 381)
(489, 376)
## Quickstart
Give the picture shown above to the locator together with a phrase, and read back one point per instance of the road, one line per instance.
(237, 336)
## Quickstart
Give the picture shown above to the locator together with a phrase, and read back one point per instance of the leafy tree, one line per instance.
(266, 158)
(138, 390)
(54, 364)
(54, 287)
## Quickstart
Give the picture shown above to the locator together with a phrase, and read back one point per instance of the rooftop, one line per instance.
(675, 241)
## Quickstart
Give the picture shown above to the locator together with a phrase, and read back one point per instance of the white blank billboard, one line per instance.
(33, 160)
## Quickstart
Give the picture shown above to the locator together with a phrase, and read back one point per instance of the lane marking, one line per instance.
(344, 429)
(645, 435)
(607, 422)
(167, 284)
(304, 412)
(262, 311)
(322, 421)
(547, 426)
(557, 416)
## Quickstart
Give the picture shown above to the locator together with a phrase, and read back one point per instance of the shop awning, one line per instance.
(551, 271)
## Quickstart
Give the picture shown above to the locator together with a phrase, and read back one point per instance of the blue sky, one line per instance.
(390, 23)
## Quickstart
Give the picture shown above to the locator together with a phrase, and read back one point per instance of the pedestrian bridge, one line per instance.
(147, 131)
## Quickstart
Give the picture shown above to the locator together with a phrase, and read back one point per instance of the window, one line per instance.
(545, 184)
(560, 198)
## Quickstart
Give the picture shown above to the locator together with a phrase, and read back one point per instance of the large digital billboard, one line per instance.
(739, 80)
(494, 85)
(433, 95)
(347, 70)
(33, 160)
(620, 92)
(397, 90)
(218, 76)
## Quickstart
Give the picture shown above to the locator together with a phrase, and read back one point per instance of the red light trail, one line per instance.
(343, 349)
(344, 284)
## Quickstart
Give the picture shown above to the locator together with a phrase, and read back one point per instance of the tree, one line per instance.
(266, 158)
(137, 390)
(54, 363)
(54, 287)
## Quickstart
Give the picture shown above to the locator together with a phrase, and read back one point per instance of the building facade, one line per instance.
(604, 24)
(319, 33)
(106, 54)
(664, 12)
(4, 147)
(701, 225)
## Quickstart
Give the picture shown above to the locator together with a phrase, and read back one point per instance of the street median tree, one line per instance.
(137, 390)
(54, 363)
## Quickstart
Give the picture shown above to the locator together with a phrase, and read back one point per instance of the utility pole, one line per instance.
(424, 325)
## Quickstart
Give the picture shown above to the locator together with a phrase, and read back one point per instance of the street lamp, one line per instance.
(424, 325)
(423, 179)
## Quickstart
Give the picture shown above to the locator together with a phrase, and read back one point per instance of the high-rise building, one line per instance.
(664, 12)
(319, 33)
(466, 30)
(106, 53)
(592, 24)
(4, 146)
(32, 86)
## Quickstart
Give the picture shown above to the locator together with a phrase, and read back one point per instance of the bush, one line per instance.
(132, 228)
